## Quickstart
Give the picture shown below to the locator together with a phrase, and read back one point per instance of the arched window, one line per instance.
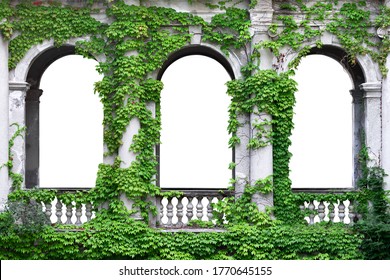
(322, 138)
(68, 130)
(194, 150)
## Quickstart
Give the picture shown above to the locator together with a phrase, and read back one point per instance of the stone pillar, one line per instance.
(261, 160)
(372, 120)
(242, 156)
(386, 119)
(386, 126)
(32, 137)
(127, 156)
(4, 121)
(17, 96)
(357, 125)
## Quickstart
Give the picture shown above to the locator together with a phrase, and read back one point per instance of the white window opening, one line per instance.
(322, 134)
(194, 150)
(71, 130)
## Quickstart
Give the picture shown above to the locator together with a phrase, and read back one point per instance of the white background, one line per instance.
(194, 150)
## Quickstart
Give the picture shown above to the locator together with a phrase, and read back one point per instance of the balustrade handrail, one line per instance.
(64, 190)
(198, 210)
(324, 190)
(200, 192)
(191, 204)
(72, 212)
(331, 209)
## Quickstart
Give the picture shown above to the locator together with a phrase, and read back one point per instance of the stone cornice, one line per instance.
(372, 90)
(23, 86)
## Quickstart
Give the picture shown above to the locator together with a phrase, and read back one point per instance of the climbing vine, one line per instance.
(136, 43)
(16, 178)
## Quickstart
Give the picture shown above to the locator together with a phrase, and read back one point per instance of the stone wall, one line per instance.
(374, 92)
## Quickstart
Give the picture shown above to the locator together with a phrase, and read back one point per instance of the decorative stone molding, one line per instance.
(372, 90)
(34, 95)
(357, 96)
(20, 86)
(196, 32)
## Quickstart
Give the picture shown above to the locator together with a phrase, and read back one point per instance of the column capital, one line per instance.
(372, 90)
(357, 96)
(21, 86)
(33, 94)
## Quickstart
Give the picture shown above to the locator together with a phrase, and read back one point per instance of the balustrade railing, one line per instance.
(197, 204)
(318, 210)
(68, 213)
(193, 204)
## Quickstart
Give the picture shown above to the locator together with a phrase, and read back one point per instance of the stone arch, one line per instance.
(365, 70)
(43, 61)
(230, 63)
(208, 51)
(31, 70)
(365, 77)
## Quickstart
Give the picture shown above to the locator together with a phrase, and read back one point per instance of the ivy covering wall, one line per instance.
(135, 44)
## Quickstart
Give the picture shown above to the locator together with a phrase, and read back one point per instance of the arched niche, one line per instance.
(340, 144)
(194, 110)
(54, 155)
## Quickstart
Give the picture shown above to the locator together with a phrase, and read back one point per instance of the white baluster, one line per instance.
(88, 211)
(78, 215)
(199, 208)
(210, 208)
(59, 211)
(341, 211)
(169, 212)
(331, 212)
(321, 211)
(351, 214)
(161, 213)
(311, 215)
(48, 210)
(69, 213)
(179, 214)
(190, 208)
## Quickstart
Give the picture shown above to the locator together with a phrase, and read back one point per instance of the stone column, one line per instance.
(357, 125)
(261, 160)
(386, 120)
(372, 120)
(126, 156)
(386, 126)
(17, 96)
(4, 121)
(32, 137)
(242, 156)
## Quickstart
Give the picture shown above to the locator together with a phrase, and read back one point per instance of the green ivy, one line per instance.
(110, 236)
(136, 44)
(38, 23)
(16, 178)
